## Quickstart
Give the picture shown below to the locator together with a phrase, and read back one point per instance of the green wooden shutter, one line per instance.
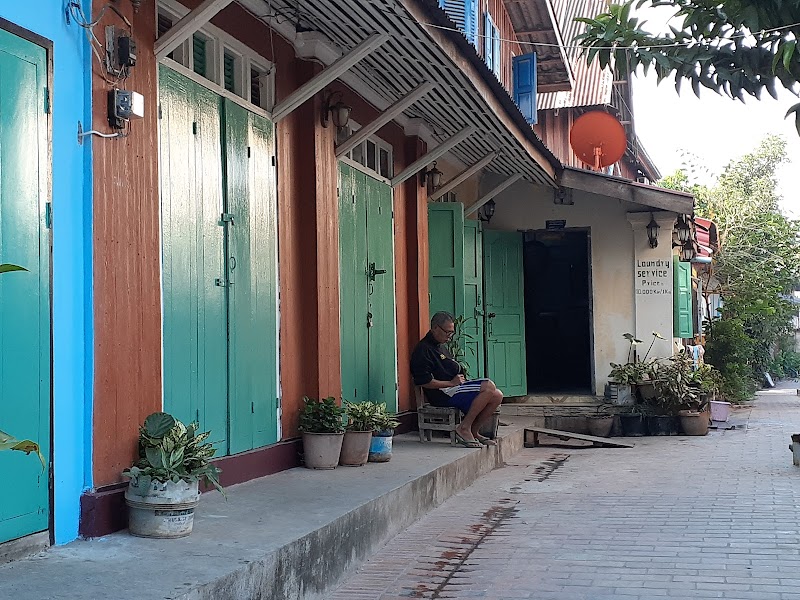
(446, 257)
(473, 297)
(682, 296)
(228, 69)
(199, 54)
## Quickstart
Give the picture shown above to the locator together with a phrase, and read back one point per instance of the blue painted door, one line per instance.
(219, 244)
(24, 296)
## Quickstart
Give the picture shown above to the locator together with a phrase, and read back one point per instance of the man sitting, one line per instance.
(443, 382)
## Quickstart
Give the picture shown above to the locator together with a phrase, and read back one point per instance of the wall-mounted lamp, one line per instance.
(652, 232)
(136, 5)
(486, 212)
(433, 177)
(688, 252)
(339, 111)
(683, 230)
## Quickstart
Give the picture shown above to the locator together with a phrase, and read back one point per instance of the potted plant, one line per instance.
(358, 433)
(322, 426)
(600, 424)
(673, 394)
(633, 423)
(380, 448)
(163, 491)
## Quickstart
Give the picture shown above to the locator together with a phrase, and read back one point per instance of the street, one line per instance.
(676, 517)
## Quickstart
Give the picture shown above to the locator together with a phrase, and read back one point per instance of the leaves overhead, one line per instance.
(735, 48)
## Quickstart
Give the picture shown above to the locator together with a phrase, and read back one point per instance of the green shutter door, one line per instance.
(682, 298)
(353, 285)
(252, 279)
(24, 297)
(193, 271)
(381, 318)
(366, 296)
(473, 297)
(446, 257)
(505, 311)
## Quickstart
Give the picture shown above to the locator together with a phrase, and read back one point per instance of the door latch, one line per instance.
(373, 271)
(369, 320)
(220, 282)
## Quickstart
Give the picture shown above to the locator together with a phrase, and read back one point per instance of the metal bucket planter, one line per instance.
(321, 450)
(161, 509)
(620, 394)
(633, 425)
(355, 448)
(662, 425)
(694, 422)
(600, 426)
(380, 447)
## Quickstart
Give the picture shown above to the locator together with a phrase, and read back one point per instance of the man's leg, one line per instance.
(486, 414)
(482, 407)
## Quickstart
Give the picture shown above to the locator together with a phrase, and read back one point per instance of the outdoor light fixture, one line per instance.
(487, 211)
(683, 230)
(687, 252)
(433, 177)
(339, 111)
(652, 232)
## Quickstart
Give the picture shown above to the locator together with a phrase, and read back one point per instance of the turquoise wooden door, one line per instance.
(473, 298)
(366, 289)
(683, 327)
(252, 253)
(446, 257)
(24, 297)
(193, 266)
(505, 311)
(219, 236)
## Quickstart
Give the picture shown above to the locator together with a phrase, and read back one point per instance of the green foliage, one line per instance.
(733, 47)
(785, 363)
(706, 379)
(729, 348)
(634, 371)
(383, 419)
(456, 344)
(361, 415)
(321, 416)
(673, 385)
(172, 451)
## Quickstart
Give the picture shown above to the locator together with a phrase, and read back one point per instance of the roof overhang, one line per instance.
(423, 46)
(629, 191)
(535, 22)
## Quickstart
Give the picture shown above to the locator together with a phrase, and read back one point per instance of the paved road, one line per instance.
(680, 517)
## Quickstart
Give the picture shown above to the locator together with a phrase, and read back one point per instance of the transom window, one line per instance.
(220, 58)
(373, 153)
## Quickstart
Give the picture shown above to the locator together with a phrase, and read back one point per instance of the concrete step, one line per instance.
(287, 536)
(555, 399)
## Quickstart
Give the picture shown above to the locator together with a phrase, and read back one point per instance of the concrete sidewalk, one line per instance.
(290, 535)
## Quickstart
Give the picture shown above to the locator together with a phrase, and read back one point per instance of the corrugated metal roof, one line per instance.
(534, 21)
(411, 56)
(592, 85)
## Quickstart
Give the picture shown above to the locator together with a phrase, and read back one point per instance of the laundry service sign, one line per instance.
(653, 277)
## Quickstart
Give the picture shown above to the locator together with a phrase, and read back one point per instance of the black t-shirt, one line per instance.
(431, 360)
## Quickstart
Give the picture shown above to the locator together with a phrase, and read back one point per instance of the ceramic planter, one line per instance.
(159, 509)
(693, 422)
(355, 449)
(600, 426)
(380, 448)
(321, 450)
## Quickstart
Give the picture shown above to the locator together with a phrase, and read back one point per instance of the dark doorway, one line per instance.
(558, 311)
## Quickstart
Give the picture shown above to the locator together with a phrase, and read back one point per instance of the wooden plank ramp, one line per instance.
(531, 438)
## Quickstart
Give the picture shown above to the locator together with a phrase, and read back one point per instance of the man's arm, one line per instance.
(435, 384)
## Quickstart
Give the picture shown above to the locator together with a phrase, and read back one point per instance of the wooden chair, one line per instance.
(438, 418)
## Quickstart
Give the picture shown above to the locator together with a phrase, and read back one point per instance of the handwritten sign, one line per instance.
(653, 277)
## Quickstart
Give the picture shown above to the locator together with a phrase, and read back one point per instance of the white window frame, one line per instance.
(380, 144)
(222, 41)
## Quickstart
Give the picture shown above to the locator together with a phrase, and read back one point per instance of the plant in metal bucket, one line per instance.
(384, 421)
(172, 451)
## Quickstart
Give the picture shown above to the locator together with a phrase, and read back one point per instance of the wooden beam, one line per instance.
(190, 23)
(492, 193)
(432, 155)
(327, 76)
(463, 176)
(387, 115)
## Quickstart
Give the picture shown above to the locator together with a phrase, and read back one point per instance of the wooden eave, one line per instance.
(467, 93)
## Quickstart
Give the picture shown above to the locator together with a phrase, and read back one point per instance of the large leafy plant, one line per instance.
(383, 419)
(456, 345)
(321, 416)
(361, 415)
(7, 441)
(172, 451)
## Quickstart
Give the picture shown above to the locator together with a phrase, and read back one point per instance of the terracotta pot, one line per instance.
(321, 450)
(355, 449)
(693, 422)
(601, 426)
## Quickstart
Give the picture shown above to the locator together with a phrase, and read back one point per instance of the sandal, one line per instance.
(486, 441)
(467, 443)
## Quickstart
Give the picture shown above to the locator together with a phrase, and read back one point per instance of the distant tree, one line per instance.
(733, 47)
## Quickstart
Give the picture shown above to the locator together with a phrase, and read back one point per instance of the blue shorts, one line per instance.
(465, 394)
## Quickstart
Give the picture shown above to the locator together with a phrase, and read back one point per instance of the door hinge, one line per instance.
(354, 197)
(274, 161)
(278, 403)
(48, 215)
(248, 152)
(197, 415)
(226, 218)
(253, 407)
(160, 113)
(194, 127)
(396, 386)
(47, 101)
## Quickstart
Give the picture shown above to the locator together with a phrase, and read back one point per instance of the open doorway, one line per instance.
(558, 311)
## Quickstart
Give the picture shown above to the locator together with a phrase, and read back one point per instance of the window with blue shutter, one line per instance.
(524, 67)
(491, 45)
(464, 14)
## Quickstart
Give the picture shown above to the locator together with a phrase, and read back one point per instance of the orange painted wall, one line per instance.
(127, 302)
